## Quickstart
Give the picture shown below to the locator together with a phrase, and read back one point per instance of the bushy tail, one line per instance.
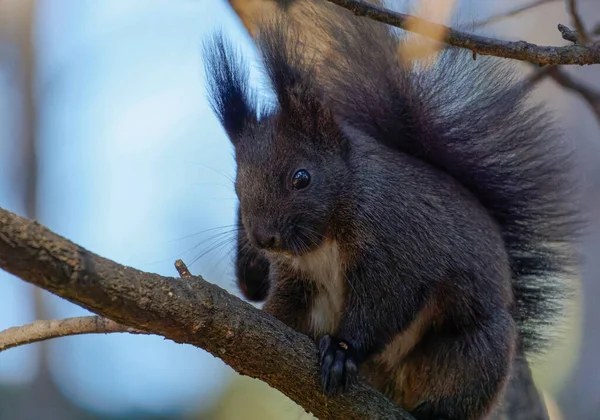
(472, 119)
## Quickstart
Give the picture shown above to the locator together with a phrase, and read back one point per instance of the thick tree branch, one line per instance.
(190, 311)
(45, 330)
(519, 50)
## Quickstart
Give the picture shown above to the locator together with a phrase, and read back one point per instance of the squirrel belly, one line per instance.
(323, 267)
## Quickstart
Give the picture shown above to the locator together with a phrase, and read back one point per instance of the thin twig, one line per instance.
(592, 97)
(512, 12)
(560, 76)
(45, 330)
(519, 50)
(182, 269)
(568, 34)
(577, 22)
(539, 74)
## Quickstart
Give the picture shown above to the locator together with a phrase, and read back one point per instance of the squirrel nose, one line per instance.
(265, 239)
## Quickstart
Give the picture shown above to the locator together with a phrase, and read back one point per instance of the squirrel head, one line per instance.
(292, 170)
(290, 182)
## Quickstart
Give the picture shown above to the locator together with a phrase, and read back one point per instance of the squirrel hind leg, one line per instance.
(458, 374)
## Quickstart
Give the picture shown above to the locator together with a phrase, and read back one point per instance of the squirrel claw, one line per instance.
(339, 369)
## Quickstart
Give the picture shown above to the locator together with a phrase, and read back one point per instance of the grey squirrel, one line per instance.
(418, 223)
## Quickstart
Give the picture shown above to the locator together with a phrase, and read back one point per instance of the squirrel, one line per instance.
(419, 223)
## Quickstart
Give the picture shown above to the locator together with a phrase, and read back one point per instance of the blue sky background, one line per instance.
(127, 144)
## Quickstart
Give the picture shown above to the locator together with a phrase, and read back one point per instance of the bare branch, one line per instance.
(560, 76)
(577, 22)
(539, 75)
(45, 330)
(190, 311)
(519, 50)
(568, 34)
(591, 96)
(512, 13)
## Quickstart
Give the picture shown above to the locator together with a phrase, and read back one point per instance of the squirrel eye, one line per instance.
(301, 179)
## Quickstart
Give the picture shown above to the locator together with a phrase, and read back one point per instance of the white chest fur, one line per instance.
(324, 267)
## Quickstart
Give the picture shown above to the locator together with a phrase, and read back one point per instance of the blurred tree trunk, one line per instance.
(44, 400)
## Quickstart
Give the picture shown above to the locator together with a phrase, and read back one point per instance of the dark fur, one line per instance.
(472, 120)
(432, 204)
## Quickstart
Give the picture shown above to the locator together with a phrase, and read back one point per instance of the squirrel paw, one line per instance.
(339, 368)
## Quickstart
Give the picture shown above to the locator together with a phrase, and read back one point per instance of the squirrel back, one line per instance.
(473, 118)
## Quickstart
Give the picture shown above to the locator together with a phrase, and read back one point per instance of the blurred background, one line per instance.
(106, 137)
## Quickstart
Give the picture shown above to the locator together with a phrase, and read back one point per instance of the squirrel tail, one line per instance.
(474, 120)
(471, 118)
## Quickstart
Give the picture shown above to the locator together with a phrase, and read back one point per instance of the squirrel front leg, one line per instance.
(377, 308)
(289, 301)
(252, 267)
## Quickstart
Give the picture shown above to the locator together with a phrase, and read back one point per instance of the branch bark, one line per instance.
(45, 330)
(518, 50)
(568, 34)
(190, 311)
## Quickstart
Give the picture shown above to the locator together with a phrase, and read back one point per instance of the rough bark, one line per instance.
(190, 311)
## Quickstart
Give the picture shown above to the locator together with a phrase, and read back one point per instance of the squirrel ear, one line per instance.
(288, 66)
(228, 87)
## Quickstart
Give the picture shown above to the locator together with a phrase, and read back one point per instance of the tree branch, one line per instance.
(190, 311)
(591, 96)
(519, 50)
(45, 330)
(568, 34)
(511, 13)
(182, 269)
(587, 93)
(577, 22)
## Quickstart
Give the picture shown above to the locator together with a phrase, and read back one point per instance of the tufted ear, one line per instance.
(228, 88)
(289, 67)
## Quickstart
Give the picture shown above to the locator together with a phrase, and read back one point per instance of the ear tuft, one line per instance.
(228, 87)
(289, 66)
